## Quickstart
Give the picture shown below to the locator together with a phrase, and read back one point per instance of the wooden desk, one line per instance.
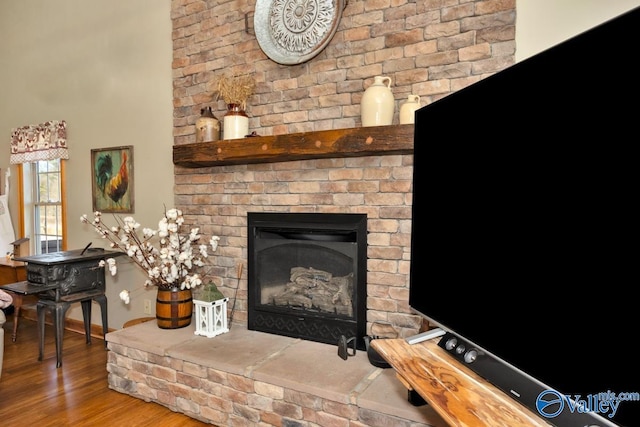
(13, 272)
(460, 396)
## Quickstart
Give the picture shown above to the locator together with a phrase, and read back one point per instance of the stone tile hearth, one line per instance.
(248, 377)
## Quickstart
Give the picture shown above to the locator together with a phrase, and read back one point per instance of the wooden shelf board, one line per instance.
(352, 142)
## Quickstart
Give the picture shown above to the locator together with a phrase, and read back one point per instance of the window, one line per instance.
(48, 206)
(43, 205)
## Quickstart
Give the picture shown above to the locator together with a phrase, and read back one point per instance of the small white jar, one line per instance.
(408, 109)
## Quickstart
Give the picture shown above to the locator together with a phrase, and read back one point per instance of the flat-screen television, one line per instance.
(525, 227)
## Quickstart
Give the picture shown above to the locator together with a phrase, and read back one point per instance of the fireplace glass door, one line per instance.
(307, 275)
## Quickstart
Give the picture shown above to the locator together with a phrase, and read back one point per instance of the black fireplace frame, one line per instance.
(305, 228)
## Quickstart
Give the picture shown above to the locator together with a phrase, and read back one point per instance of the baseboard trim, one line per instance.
(73, 325)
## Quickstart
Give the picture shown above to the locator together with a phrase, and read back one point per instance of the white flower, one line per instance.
(113, 268)
(124, 296)
(166, 256)
(173, 214)
(214, 242)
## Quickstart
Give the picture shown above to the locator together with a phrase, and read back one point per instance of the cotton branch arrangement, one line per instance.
(164, 254)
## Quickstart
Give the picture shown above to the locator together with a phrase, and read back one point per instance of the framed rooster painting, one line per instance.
(112, 179)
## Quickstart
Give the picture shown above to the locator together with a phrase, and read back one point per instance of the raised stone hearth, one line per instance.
(246, 378)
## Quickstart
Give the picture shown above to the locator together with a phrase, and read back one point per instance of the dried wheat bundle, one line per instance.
(236, 89)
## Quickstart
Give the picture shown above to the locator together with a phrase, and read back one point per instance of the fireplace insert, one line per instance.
(307, 275)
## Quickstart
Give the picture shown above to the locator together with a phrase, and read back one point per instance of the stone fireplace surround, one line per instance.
(429, 48)
(252, 378)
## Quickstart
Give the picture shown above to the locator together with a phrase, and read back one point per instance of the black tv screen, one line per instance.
(525, 226)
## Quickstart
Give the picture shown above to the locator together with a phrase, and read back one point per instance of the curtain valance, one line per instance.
(46, 141)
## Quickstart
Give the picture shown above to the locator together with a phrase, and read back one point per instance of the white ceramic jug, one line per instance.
(377, 105)
(408, 109)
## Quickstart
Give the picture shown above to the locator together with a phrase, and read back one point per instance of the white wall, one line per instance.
(541, 24)
(105, 68)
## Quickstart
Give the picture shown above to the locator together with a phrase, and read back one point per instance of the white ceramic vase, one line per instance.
(408, 110)
(377, 105)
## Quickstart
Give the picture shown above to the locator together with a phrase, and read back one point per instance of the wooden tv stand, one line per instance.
(455, 392)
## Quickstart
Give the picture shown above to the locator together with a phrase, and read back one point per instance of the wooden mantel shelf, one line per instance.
(352, 142)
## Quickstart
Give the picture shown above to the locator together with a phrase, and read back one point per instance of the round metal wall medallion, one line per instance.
(294, 31)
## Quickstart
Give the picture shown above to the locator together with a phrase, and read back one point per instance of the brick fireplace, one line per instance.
(247, 377)
(427, 48)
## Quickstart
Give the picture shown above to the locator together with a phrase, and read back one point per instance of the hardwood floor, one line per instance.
(34, 393)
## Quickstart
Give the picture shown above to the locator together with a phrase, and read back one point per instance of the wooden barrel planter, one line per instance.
(174, 308)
